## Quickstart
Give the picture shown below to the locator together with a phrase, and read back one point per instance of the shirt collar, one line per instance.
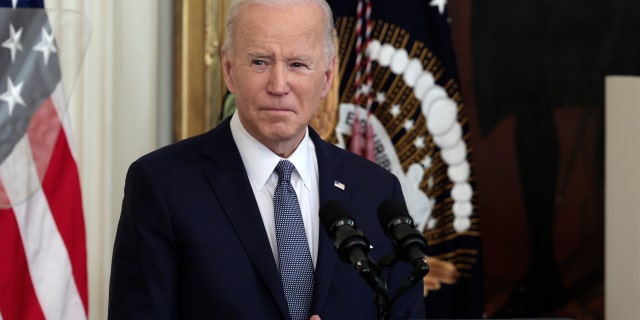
(259, 161)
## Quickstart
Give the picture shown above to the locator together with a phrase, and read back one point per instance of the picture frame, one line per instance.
(198, 89)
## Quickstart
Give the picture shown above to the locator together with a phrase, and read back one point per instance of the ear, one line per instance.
(226, 71)
(329, 77)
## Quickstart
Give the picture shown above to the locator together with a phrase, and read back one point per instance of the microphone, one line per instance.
(351, 244)
(409, 243)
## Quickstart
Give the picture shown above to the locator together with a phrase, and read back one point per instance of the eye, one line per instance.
(259, 65)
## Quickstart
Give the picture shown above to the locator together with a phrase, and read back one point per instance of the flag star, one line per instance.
(426, 162)
(419, 142)
(46, 45)
(13, 43)
(395, 110)
(431, 224)
(380, 97)
(408, 125)
(12, 95)
(440, 4)
(365, 89)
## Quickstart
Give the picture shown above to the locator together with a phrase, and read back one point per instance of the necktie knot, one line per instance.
(284, 169)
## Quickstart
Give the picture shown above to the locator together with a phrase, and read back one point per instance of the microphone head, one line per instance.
(393, 212)
(350, 243)
(397, 223)
(330, 213)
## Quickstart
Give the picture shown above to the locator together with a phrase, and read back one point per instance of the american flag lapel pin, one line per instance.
(338, 184)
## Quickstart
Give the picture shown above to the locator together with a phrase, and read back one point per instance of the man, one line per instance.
(198, 236)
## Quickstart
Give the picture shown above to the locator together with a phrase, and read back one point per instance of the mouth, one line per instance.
(278, 109)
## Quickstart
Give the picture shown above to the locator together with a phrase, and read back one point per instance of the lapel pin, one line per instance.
(338, 185)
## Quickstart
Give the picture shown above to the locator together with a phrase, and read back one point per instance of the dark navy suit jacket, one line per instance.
(191, 243)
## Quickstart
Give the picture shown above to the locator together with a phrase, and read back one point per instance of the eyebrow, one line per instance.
(263, 55)
(304, 58)
(258, 54)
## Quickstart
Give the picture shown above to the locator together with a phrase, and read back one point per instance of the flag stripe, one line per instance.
(46, 236)
(49, 265)
(18, 299)
(48, 261)
(61, 184)
(62, 188)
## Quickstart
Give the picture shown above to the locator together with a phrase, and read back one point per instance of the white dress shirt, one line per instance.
(260, 163)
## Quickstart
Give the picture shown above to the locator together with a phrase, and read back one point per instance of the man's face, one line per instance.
(278, 71)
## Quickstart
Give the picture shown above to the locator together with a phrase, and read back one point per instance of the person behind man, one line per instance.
(200, 235)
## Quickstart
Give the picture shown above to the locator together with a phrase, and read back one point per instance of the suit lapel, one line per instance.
(329, 172)
(228, 179)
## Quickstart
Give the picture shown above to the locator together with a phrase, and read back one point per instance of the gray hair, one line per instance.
(234, 10)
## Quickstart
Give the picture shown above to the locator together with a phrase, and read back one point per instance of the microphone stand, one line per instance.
(420, 269)
(370, 272)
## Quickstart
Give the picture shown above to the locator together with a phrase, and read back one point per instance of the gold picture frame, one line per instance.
(198, 90)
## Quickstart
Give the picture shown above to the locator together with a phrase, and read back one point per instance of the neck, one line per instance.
(284, 149)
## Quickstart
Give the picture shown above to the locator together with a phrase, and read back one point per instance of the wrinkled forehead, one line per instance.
(290, 26)
(289, 16)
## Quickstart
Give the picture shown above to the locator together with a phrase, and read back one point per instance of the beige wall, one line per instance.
(622, 198)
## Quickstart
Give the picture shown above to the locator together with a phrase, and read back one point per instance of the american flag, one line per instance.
(43, 272)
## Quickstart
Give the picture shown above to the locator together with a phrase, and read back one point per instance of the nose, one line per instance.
(278, 80)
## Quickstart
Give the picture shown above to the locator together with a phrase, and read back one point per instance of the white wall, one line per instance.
(622, 198)
(120, 110)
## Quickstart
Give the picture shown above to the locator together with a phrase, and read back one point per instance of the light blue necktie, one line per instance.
(296, 267)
